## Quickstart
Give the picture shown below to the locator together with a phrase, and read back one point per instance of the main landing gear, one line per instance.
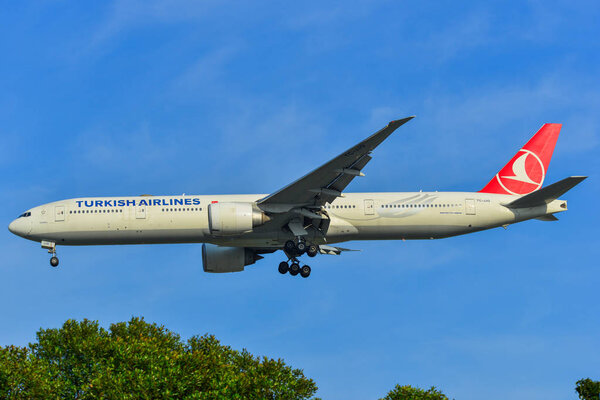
(293, 250)
(51, 246)
(294, 268)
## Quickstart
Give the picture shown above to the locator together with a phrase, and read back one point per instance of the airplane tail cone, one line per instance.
(525, 172)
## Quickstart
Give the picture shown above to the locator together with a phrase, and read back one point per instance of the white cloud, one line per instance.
(128, 14)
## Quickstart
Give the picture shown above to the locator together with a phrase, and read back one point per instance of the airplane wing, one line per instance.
(327, 182)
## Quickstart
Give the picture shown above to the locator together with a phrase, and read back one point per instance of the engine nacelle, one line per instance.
(226, 259)
(234, 218)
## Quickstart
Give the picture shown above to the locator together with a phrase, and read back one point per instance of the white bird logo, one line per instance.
(520, 172)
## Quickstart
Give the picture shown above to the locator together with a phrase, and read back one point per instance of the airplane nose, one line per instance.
(12, 227)
(17, 227)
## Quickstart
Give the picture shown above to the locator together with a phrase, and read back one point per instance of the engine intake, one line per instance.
(234, 218)
(220, 259)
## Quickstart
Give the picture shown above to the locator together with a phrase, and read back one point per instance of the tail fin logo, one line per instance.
(523, 175)
(525, 172)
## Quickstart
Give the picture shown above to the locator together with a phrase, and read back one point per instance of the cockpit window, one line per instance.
(26, 214)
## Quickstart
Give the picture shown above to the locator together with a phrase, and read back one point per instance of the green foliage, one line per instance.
(411, 393)
(588, 389)
(135, 359)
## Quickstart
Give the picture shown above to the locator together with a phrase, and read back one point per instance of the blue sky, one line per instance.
(170, 97)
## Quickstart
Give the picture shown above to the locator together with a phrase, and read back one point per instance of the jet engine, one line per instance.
(226, 259)
(234, 218)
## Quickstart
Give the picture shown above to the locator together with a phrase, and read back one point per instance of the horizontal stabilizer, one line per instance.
(547, 194)
(549, 217)
(324, 249)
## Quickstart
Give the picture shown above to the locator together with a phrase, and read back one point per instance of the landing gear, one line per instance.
(290, 246)
(305, 271)
(312, 250)
(295, 249)
(301, 246)
(294, 269)
(283, 267)
(51, 247)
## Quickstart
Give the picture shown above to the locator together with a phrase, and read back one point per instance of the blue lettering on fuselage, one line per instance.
(195, 201)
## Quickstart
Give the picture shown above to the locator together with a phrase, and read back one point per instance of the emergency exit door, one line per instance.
(470, 206)
(140, 212)
(59, 213)
(369, 207)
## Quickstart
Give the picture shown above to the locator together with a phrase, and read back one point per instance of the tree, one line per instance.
(411, 393)
(588, 389)
(136, 359)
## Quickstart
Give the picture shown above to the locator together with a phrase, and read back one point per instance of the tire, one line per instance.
(294, 269)
(301, 246)
(305, 271)
(312, 250)
(289, 246)
(54, 262)
(283, 267)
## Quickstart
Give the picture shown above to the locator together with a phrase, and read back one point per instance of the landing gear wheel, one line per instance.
(294, 269)
(305, 271)
(290, 246)
(54, 261)
(312, 250)
(301, 246)
(283, 267)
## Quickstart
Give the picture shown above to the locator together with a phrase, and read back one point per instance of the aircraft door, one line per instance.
(140, 212)
(59, 213)
(470, 207)
(369, 207)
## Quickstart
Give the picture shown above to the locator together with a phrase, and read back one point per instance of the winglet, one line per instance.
(399, 122)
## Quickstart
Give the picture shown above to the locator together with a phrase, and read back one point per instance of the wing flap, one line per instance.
(325, 249)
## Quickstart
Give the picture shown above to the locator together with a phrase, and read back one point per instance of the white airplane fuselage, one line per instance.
(356, 216)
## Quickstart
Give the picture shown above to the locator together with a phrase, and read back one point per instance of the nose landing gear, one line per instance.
(51, 246)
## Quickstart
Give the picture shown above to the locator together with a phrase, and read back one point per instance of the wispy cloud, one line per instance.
(205, 74)
(128, 14)
(115, 147)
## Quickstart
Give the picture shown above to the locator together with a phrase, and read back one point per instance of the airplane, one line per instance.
(307, 216)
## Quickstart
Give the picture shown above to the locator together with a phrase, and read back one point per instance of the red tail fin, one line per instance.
(526, 171)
